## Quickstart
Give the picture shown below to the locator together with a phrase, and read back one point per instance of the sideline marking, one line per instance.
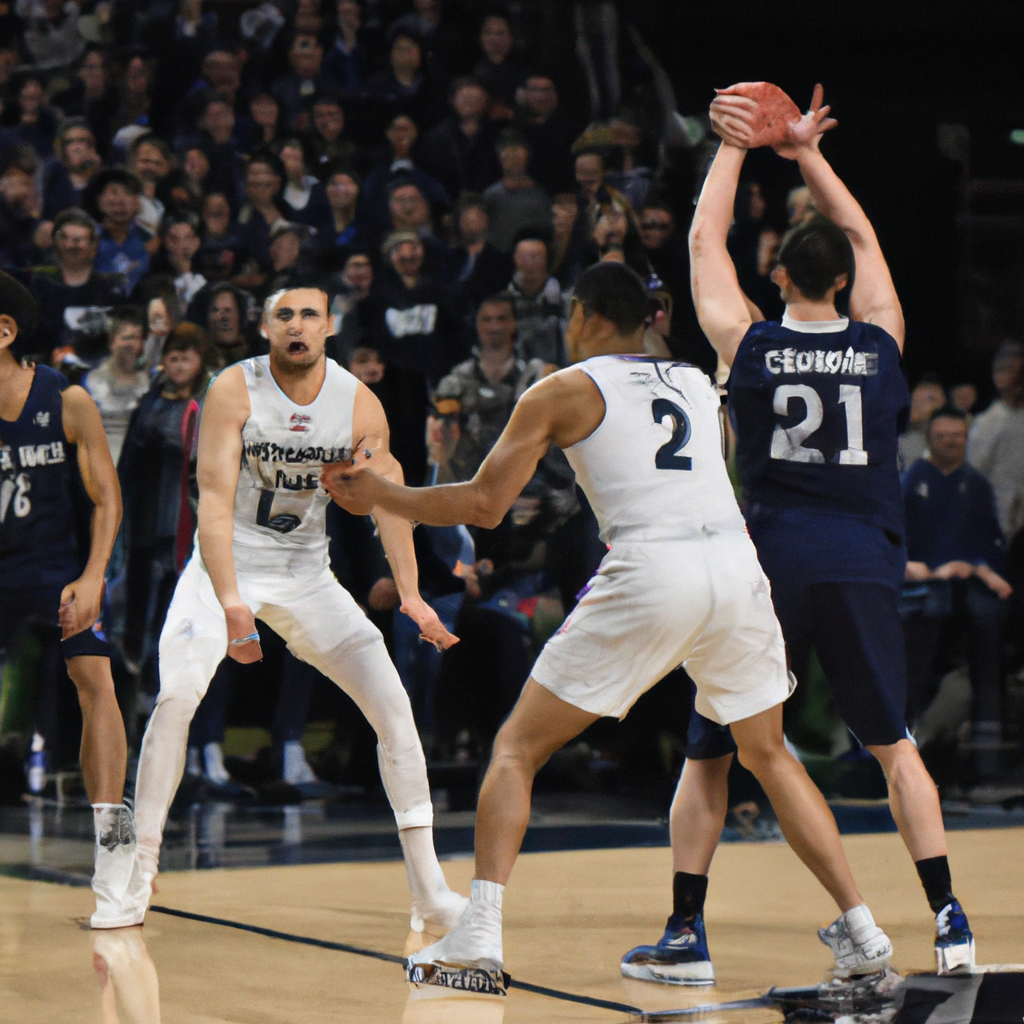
(342, 947)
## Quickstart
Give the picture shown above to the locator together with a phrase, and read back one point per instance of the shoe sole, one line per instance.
(480, 980)
(697, 973)
(955, 959)
(864, 969)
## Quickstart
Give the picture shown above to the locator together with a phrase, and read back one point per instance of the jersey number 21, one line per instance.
(788, 442)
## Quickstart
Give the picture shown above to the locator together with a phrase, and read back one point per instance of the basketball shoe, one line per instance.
(954, 942)
(114, 858)
(857, 943)
(680, 958)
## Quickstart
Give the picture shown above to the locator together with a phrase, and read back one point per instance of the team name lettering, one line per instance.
(299, 482)
(32, 455)
(269, 451)
(6, 462)
(848, 363)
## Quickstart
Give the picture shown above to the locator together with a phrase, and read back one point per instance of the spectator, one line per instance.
(349, 296)
(180, 236)
(402, 81)
(289, 267)
(114, 195)
(476, 399)
(149, 159)
(216, 139)
(482, 269)
(150, 469)
(303, 194)
(326, 141)
(752, 243)
(296, 89)
(499, 72)
(927, 398)
(590, 172)
(410, 212)
(264, 207)
(548, 131)
(964, 397)
(996, 445)
(164, 311)
(516, 201)
(33, 120)
(538, 304)
(224, 310)
(460, 151)
(74, 164)
(342, 189)
(630, 177)
(51, 34)
(222, 74)
(73, 296)
(119, 382)
(344, 65)
(445, 37)
(262, 129)
(92, 95)
(134, 103)
(616, 233)
(564, 263)
(799, 206)
(414, 330)
(954, 559)
(221, 241)
(23, 235)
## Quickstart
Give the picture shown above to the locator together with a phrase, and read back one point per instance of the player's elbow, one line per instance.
(485, 512)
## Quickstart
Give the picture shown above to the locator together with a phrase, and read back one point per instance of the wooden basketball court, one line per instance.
(569, 917)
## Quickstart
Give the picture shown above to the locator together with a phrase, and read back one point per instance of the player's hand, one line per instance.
(993, 581)
(916, 572)
(805, 133)
(955, 570)
(79, 605)
(242, 627)
(352, 484)
(432, 629)
(732, 117)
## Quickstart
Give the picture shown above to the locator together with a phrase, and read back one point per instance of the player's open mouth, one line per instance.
(297, 347)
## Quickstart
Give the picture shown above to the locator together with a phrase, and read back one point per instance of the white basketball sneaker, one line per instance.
(857, 943)
(114, 860)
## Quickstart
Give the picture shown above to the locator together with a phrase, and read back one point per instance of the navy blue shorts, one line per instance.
(856, 630)
(40, 606)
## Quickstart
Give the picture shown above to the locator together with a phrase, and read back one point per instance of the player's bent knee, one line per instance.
(91, 676)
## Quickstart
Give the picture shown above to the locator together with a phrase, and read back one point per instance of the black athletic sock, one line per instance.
(934, 875)
(688, 893)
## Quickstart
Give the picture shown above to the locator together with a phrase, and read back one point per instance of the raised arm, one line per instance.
(873, 297)
(220, 455)
(717, 297)
(371, 433)
(80, 601)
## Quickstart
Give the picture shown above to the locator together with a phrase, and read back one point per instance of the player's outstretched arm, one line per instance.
(225, 411)
(80, 601)
(717, 296)
(873, 298)
(372, 434)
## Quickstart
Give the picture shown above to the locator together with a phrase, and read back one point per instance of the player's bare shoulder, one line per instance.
(227, 397)
(79, 413)
(568, 401)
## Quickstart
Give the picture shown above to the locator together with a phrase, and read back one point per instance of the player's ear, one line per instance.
(8, 330)
(263, 330)
(842, 281)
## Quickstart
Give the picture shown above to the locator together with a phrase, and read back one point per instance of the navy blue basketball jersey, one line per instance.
(817, 409)
(38, 544)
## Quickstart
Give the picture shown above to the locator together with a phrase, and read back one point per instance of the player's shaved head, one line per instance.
(615, 292)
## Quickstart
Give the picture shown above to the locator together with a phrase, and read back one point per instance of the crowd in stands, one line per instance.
(164, 167)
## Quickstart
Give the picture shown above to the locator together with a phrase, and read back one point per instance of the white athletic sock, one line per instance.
(432, 900)
(214, 763)
(476, 939)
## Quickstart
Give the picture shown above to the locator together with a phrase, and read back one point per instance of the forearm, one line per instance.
(396, 538)
(832, 198)
(446, 505)
(103, 527)
(216, 532)
(714, 213)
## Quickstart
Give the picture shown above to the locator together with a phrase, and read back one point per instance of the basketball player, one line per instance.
(817, 401)
(269, 426)
(44, 423)
(680, 583)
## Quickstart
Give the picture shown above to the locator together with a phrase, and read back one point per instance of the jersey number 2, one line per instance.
(788, 442)
(667, 456)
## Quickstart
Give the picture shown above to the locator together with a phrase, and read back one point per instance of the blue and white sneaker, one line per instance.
(954, 942)
(680, 958)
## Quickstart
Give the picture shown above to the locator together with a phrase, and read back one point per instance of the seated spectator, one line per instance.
(410, 212)
(164, 311)
(629, 174)
(996, 445)
(289, 263)
(220, 240)
(516, 201)
(589, 170)
(955, 553)
(564, 265)
(445, 36)
(149, 159)
(349, 292)
(549, 132)
(414, 328)
(927, 397)
(460, 151)
(91, 94)
(33, 120)
(179, 234)
(538, 304)
(752, 243)
(134, 100)
(150, 469)
(326, 141)
(216, 139)
(482, 269)
(74, 165)
(24, 236)
(51, 34)
(304, 195)
(221, 74)
(227, 313)
(345, 63)
(800, 206)
(402, 82)
(342, 188)
(476, 399)
(263, 127)
(264, 207)
(295, 90)
(401, 135)
(114, 196)
(615, 232)
(501, 74)
(964, 397)
(119, 382)
(74, 297)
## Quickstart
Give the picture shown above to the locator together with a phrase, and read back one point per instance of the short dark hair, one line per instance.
(948, 412)
(150, 139)
(74, 215)
(125, 316)
(17, 302)
(179, 217)
(615, 292)
(500, 299)
(814, 255)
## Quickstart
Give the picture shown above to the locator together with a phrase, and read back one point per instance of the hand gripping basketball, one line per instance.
(753, 114)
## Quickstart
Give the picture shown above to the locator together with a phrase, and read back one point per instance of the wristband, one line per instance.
(247, 639)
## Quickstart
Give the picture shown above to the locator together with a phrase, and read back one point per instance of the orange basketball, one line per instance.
(775, 110)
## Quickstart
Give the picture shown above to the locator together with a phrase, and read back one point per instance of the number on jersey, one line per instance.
(668, 456)
(788, 442)
(14, 496)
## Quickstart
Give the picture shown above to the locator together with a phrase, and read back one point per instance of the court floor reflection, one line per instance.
(129, 986)
(428, 1005)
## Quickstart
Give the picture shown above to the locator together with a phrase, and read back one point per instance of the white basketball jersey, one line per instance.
(653, 469)
(279, 503)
